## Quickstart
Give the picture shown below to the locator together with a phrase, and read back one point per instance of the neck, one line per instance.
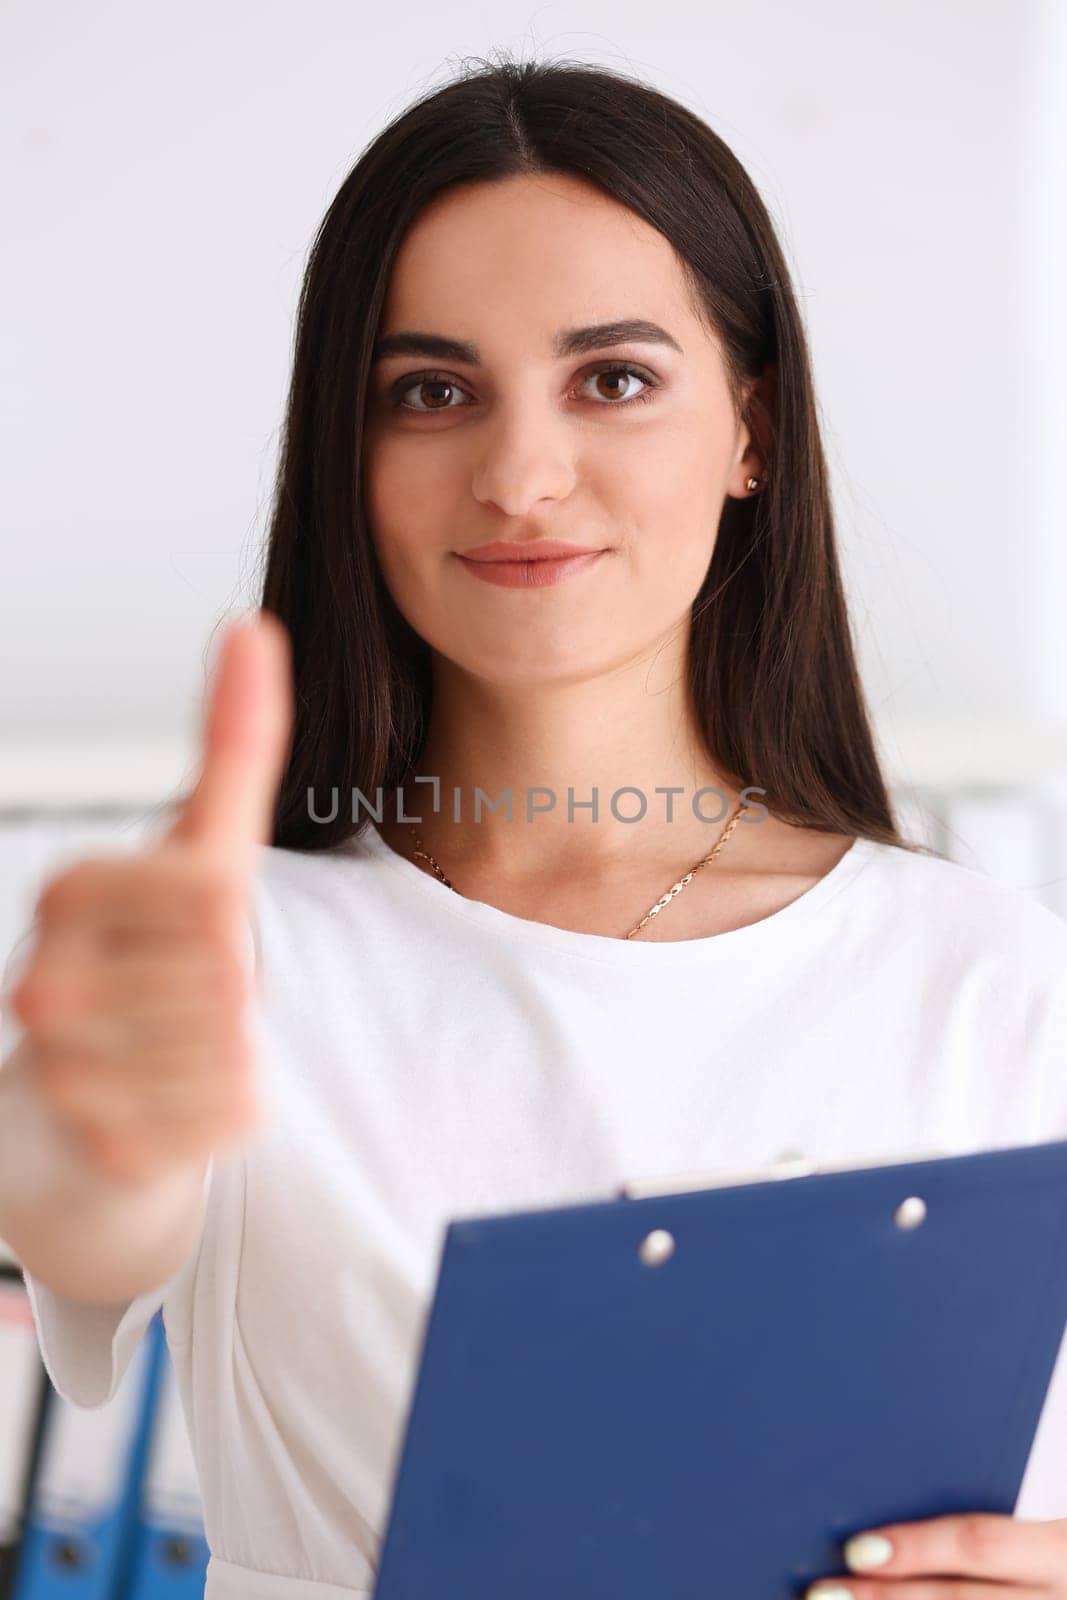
(558, 749)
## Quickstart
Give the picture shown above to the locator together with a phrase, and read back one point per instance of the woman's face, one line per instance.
(523, 441)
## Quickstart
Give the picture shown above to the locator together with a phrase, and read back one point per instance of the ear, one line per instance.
(757, 421)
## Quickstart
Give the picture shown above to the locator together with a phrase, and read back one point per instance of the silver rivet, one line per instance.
(910, 1212)
(656, 1247)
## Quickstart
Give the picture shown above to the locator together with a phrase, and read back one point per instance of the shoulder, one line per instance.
(964, 911)
(975, 964)
(293, 892)
(321, 874)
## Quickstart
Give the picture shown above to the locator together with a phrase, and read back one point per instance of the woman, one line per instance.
(547, 304)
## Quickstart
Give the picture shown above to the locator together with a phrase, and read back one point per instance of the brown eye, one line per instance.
(615, 378)
(612, 377)
(431, 384)
(435, 389)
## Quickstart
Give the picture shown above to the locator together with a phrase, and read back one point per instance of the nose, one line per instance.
(526, 457)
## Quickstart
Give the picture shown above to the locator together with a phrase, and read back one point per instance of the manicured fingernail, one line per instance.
(828, 1591)
(867, 1550)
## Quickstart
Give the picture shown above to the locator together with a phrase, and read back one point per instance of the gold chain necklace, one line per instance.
(653, 911)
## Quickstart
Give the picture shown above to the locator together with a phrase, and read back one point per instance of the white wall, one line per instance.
(164, 171)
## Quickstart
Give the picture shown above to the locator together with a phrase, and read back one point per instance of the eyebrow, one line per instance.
(568, 342)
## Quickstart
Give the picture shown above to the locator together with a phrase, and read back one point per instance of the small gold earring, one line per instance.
(753, 483)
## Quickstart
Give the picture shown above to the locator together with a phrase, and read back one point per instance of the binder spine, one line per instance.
(83, 1503)
(23, 1396)
(170, 1552)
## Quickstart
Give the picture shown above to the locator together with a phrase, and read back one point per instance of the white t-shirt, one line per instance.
(426, 1057)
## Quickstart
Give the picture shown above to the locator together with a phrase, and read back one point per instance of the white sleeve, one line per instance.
(1046, 1044)
(86, 1349)
(1043, 1491)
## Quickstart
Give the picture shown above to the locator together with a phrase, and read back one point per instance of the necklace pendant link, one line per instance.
(653, 911)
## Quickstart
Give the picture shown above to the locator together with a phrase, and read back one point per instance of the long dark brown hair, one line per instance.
(773, 674)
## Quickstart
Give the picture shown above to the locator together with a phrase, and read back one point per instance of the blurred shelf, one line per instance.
(76, 773)
(135, 774)
(974, 753)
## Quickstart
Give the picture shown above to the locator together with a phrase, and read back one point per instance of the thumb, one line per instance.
(247, 731)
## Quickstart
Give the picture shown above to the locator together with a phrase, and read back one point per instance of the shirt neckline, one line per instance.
(747, 941)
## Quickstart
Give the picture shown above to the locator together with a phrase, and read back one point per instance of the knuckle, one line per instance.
(26, 998)
(65, 1084)
(57, 893)
(65, 889)
(981, 1537)
(44, 994)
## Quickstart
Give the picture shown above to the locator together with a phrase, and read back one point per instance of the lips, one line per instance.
(534, 550)
(526, 574)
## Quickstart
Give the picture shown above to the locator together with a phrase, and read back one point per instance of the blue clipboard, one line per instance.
(706, 1391)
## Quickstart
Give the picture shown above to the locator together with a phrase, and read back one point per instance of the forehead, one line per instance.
(548, 248)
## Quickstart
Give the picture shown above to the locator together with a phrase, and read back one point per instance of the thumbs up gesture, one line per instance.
(133, 1001)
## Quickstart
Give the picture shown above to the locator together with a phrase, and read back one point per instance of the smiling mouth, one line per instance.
(536, 551)
(529, 574)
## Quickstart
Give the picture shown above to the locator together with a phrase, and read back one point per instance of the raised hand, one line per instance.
(134, 999)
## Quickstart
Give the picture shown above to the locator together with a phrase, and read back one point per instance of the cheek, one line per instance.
(670, 500)
(693, 488)
(410, 493)
(396, 502)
